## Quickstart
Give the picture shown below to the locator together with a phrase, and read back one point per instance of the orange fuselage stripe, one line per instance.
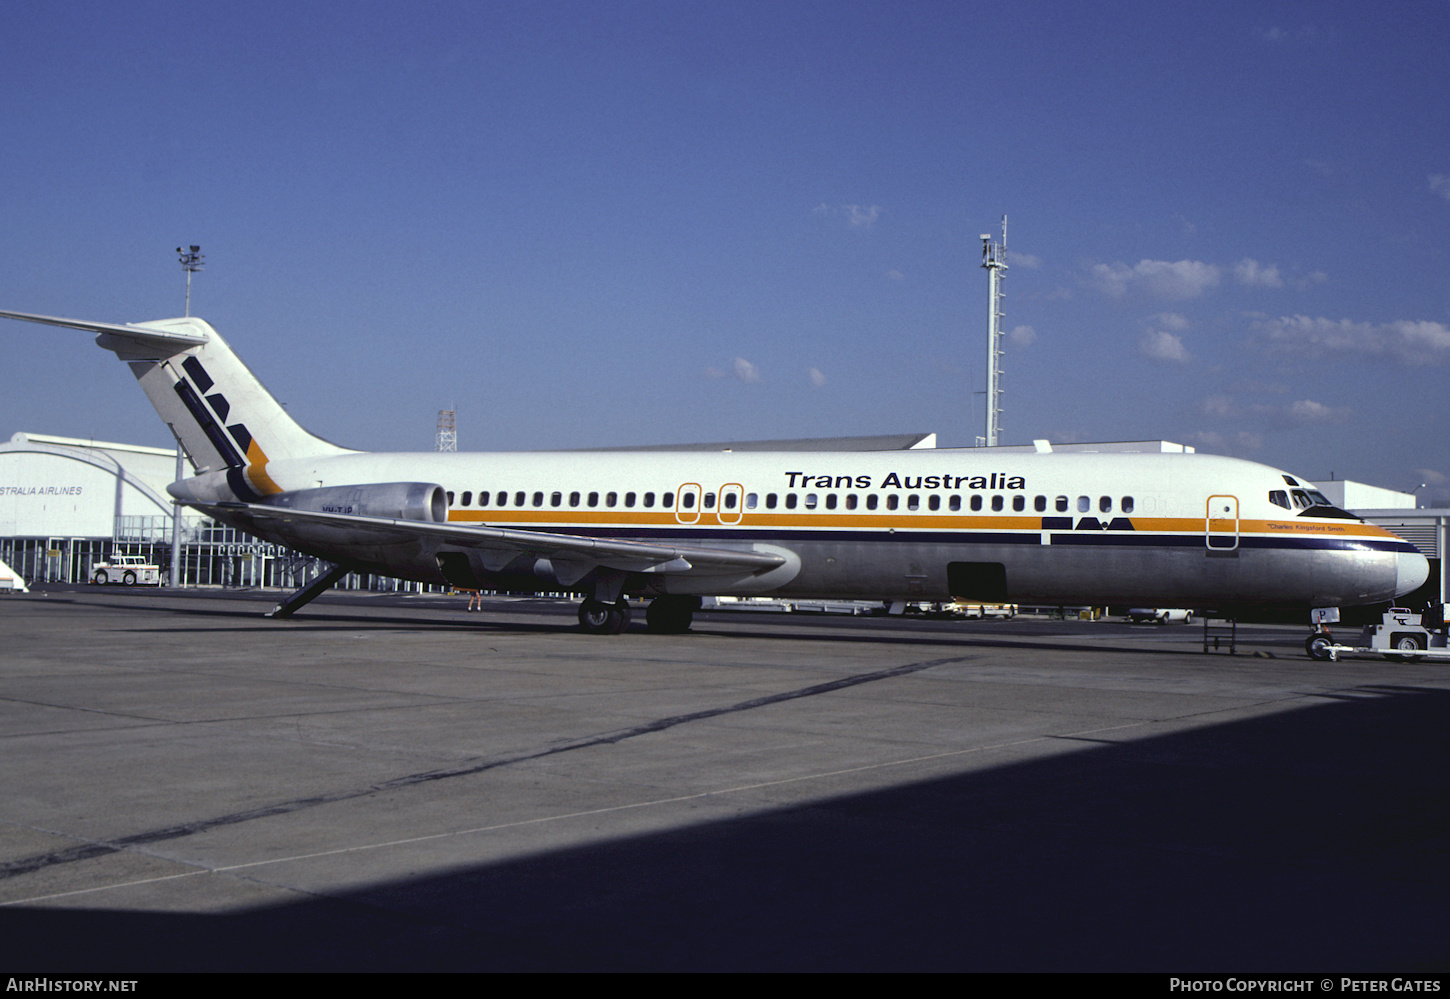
(896, 521)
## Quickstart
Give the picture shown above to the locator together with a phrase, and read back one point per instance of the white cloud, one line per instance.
(1437, 487)
(1022, 336)
(895, 274)
(1162, 278)
(1309, 411)
(1161, 340)
(1440, 184)
(1412, 342)
(1250, 272)
(1028, 260)
(856, 216)
(817, 378)
(1242, 443)
(1220, 406)
(1160, 345)
(1310, 279)
(1272, 416)
(746, 371)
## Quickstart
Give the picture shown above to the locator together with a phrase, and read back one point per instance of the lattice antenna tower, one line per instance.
(994, 259)
(447, 439)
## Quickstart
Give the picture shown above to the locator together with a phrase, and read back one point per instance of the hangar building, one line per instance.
(68, 504)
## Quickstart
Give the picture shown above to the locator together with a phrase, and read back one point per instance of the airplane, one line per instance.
(986, 524)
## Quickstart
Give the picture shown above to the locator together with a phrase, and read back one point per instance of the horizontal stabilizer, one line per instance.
(151, 336)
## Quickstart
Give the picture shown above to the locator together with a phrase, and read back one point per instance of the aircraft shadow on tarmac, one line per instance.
(541, 616)
(1312, 839)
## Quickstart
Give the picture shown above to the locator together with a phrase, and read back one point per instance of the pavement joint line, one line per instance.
(29, 865)
(497, 827)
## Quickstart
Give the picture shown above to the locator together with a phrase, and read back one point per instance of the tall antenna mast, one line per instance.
(191, 263)
(994, 259)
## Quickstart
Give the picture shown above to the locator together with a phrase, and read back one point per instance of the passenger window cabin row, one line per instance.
(537, 498)
(811, 501)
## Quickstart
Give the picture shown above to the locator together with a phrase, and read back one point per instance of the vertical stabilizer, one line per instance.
(223, 416)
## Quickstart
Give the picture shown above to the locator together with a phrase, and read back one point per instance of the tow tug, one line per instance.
(1402, 635)
(127, 570)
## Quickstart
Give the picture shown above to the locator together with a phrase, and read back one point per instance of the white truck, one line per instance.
(128, 570)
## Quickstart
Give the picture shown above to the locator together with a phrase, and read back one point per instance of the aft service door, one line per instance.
(1221, 524)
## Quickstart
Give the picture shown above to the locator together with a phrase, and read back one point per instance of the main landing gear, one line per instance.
(668, 615)
(599, 618)
(671, 615)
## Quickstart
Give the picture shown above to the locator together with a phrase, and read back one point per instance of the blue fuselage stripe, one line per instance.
(1102, 539)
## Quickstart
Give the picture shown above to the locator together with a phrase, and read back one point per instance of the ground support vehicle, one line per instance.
(977, 610)
(1160, 615)
(1402, 635)
(127, 570)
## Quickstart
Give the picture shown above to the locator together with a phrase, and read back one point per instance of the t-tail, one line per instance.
(223, 416)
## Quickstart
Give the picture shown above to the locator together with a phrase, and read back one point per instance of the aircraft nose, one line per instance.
(1411, 573)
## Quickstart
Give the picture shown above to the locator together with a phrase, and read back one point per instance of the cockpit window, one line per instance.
(1311, 503)
(1327, 512)
(1305, 498)
(1279, 498)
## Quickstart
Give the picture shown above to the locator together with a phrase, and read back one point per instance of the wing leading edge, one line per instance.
(507, 544)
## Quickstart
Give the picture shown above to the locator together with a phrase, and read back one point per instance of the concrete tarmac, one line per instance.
(392, 783)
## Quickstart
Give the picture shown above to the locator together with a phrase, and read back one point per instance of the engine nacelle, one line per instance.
(393, 500)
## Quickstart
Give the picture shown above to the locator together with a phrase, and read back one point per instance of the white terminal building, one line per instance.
(67, 504)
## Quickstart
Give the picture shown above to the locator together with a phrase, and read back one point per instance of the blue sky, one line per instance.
(589, 224)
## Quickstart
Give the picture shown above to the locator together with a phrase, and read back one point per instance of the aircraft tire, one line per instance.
(670, 615)
(599, 618)
(1317, 647)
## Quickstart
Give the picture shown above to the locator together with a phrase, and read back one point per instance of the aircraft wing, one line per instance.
(507, 543)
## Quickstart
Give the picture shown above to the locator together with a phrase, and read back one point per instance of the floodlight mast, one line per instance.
(191, 262)
(994, 259)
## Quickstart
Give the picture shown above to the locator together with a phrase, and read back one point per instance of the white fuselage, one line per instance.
(1165, 529)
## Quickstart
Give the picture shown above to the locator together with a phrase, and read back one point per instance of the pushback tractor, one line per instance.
(1402, 634)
